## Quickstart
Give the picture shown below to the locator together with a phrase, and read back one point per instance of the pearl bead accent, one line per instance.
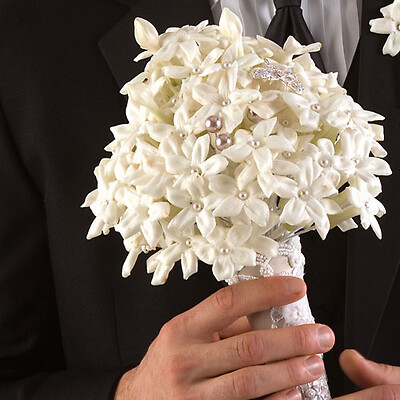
(226, 103)
(356, 162)
(243, 195)
(213, 123)
(223, 141)
(304, 193)
(398, 27)
(226, 64)
(173, 101)
(197, 206)
(324, 162)
(315, 107)
(195, 171)
(253, 117)
(287, 154)
(183, 135)
(196, 70)
(367, 205)
(255, 143)
(285, 123)
(224, 250)
(188, 242)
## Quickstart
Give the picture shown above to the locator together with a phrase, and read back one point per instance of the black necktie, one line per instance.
(288, 20)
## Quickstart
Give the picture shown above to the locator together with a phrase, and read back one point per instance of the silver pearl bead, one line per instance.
(196, 70)
(243, 196)
(183, 135)
(213, 123)
(224, 250)
(255, 143)
(398, 27)
(226, 64)
(304, 193)
(323, 162)
(356, 162)
(173, 101)
(226, 103)
(195, 171)
(316, 107)
(197, 206)
(285, 123)
(223, 141)
(253, 117)
(367, 205)
(188, 242)
(287, 154)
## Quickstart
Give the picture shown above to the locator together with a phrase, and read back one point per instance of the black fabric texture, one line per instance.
(70, 325)
(289, 21)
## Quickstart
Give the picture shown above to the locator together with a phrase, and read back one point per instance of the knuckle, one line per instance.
(244, 384)
(224, 299)
(388, 392)
(294, 373)
(177, 367)
(249, 348)
(301, 339)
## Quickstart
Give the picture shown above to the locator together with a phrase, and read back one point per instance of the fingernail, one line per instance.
(314, 365)
(325, 337)
(294, 285)
(294, 394)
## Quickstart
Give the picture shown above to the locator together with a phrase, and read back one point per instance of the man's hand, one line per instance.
(208, 352)
(382, 382)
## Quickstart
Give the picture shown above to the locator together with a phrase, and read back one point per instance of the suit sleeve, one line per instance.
(31, 354)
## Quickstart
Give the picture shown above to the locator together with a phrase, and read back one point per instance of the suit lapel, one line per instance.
(372, 264)
(118, 45)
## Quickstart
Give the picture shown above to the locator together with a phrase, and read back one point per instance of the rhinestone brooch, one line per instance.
(272, 73)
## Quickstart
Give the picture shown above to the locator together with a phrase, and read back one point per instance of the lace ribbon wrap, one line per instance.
(294, 314)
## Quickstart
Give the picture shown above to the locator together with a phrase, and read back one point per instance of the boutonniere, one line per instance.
(389, 25)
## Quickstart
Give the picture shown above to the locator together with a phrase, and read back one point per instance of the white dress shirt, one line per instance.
(334, 23)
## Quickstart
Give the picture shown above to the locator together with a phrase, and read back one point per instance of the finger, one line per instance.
(241, 325)
(232, 302)
(365, 373)
(264, 346)
(391, 392)
(261, 380)
(292, 394)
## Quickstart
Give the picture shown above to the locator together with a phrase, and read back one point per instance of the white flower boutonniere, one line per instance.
(389, 25)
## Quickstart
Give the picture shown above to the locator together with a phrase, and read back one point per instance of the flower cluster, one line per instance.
(232, 145)
(389, 25)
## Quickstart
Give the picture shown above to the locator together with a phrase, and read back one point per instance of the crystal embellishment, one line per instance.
(272, 73)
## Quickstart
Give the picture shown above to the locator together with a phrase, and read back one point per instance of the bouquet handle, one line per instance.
(289, 262)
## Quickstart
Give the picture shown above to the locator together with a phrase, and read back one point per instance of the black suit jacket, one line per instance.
(69, 324)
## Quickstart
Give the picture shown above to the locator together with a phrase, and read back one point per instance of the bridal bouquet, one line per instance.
(233, 145)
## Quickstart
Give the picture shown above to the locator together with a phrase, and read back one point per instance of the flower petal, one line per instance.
(293, 212)
(152, 232)
(264, 245)
(223, 268)
(257, 210)
(189, 263)
(243, 257)
(184, 219)
(222, 184)
(229, 207)
(200, 150)
(205, 222)
(214, 165)
(238, 235)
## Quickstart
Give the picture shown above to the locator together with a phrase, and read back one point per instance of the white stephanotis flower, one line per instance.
(194, 208)
(368, 206)
(226, 251)
(389, 25)
(232, 196)
(195, 162)
(232, 108)
(144, 217)
(308, 205)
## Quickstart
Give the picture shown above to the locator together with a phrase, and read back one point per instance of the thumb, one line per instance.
(365, 373)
